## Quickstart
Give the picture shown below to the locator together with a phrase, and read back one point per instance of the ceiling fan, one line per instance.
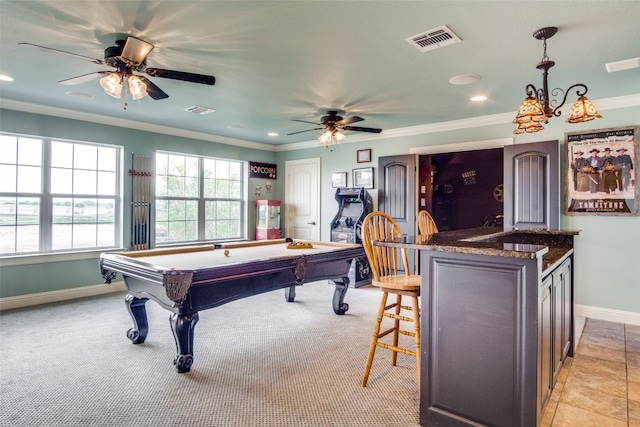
(332, 124)
(127, 57)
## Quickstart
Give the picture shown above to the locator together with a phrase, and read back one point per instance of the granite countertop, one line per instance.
(551, 245)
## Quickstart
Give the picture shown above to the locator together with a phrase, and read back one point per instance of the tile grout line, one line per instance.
(577, 343)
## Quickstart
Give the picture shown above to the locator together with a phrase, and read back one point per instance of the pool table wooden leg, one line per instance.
(182, 326)
(290, 293)
(342, 285)
(138, 313)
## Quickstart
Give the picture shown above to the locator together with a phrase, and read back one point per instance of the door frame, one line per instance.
(315, 161)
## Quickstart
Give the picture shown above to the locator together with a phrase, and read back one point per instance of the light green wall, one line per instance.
(33, 278)
(607, 255)
(607, 259)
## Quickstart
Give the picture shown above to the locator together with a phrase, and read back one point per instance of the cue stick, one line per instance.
(134, 198)
(143, 218)
(133, 201)
(146, 202)
(142, 199)
(136, 204)
(136, 173)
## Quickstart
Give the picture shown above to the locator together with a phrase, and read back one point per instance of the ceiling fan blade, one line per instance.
(305, 121)
(84, 78)
(136, 50)
(64, 52)
(152, 90)
(181, 75)
(308, 130)
(361, 129)
(349, 120)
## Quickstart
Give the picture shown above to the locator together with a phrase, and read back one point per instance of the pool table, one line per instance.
(186, 280)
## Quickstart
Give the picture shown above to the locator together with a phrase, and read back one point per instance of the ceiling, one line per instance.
(275, 61)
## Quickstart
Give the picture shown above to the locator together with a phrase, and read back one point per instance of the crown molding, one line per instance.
(129, 124)
(604, 104)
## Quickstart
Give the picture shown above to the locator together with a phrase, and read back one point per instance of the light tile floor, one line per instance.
(600, 385)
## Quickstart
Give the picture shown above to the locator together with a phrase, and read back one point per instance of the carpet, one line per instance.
(259, 361)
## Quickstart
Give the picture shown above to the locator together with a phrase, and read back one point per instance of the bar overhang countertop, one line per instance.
(550, 245)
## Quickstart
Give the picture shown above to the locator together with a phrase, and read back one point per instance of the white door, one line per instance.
(302, 199)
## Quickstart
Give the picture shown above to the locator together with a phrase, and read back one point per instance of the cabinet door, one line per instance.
(557, 323)
(531, 185)
(545, 343)
(397, 193)
(567, 309)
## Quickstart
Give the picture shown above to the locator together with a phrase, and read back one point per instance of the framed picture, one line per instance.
(600, 173)
(364, 156)
(338, 179)
(363, 177)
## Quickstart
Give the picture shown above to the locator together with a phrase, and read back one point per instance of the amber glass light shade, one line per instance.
(528, 127)
(530, 111)
(583, 111)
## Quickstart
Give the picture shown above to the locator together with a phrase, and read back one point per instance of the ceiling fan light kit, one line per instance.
(333, 126)
(112, 84)
(137, 88)
(127, 57)
(331, 137)
(538, 107)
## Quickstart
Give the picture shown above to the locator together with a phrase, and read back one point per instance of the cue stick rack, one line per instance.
(141, 186)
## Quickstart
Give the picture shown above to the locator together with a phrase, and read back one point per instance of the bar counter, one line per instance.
(551, 245)
(496, 323)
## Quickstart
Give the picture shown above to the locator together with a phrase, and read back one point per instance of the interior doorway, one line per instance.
(302, 199)
(462, 189)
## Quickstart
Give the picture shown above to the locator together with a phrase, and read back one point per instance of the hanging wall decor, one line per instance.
(601, 172)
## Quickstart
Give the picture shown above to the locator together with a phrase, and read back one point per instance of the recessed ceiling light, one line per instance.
(464, 79)
(79, 95)
(5, 78)
(273, 134)
(479, 98)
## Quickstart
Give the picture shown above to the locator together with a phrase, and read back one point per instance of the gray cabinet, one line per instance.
(545, 343)
(567, 309)
(496, 329)
(555, 327)
(531, 190)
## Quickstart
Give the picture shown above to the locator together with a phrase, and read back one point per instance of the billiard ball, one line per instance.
(226, 252)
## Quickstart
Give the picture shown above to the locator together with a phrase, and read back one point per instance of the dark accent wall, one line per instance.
(462, 189)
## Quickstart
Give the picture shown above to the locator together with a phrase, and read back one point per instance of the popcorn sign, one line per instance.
(263, 170)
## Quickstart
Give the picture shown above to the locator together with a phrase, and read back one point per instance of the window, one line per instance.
(57, 195)
(199, 198)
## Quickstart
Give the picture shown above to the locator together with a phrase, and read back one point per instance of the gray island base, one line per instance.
(496, 324)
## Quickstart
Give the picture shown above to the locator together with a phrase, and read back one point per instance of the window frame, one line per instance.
(46, 208)
(202, 200)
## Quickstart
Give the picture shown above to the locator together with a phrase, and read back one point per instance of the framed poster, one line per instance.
(601, 172)
(364, 156)
(363, 177)
(338, 179)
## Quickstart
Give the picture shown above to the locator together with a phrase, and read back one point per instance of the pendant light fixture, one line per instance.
(538, 107)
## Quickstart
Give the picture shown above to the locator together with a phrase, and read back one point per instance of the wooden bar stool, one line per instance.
(389, 276)
(426, 226)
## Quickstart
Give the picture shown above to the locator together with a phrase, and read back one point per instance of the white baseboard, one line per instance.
(29, 300)
(600, 313)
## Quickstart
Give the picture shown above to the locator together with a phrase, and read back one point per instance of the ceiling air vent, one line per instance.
(199, 110)
(434, 39)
